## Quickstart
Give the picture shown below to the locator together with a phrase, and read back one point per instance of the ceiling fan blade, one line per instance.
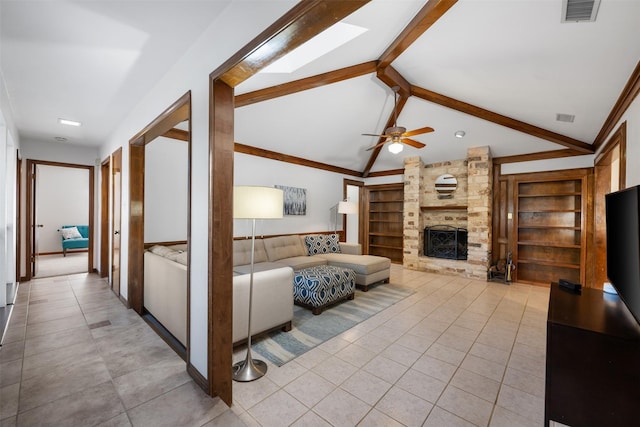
(376, 134)
(418, 131)
(413, 143)
(377, 145)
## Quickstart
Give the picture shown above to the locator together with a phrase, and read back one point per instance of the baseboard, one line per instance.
(197, 377)
(124, 301)
(167, 336)
(69, 251)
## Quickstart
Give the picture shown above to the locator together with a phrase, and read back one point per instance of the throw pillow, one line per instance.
(70, 233)
(322, 244)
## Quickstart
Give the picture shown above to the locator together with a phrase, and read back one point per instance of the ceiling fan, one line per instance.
(398, 135)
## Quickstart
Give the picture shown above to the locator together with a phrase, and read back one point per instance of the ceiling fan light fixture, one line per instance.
(460, 134)
(395, 147)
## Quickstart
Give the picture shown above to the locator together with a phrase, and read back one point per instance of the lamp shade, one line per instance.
(251, 202)
(347, 208)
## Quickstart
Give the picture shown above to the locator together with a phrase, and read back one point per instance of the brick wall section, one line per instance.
(413, 167)
(479, 202)
(474, 176)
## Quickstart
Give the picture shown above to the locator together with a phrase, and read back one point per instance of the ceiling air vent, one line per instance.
(579, 10)
(569, 118)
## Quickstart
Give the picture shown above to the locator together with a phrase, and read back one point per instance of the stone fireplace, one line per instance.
(468, 207)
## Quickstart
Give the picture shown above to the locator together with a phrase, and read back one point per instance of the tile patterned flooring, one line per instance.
(457, 352)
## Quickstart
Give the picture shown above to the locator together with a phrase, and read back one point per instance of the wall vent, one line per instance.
(579, 10)
(569, 118)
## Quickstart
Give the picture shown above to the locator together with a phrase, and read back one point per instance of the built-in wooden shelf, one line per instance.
(549, 244)
(386, 234)
(571, 193)
(548, 263)
(547, 227)
(444, 208)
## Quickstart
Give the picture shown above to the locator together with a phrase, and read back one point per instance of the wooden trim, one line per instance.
(402, 100)
(305, 84)
(197, 377)
(29, 224)
(92, 204)
(177, 112)
(424, 19)
(220, 237)
(544, 155)
(18, 228)
(105, 178)
(361, 207)
(628, 95)
(179, 134)
(69, 251)
(618, 138)
(135, 272)
(390, 172)
(499, 119)
(304, 21)
(549, 175)
(261, 152)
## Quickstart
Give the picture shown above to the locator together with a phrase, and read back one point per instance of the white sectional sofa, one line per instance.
(165, 295)
(303, 251)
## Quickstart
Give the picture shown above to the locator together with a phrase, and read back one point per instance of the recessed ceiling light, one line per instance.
(60, 139)
(460, 134)
(328, 40)
(69, 122)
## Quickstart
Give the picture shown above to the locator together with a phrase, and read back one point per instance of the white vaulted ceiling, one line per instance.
(511, 57)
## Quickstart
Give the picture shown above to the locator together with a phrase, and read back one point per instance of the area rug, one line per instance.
(309, 331)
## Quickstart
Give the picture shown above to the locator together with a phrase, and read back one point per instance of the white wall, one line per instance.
(62, 198)
(632, 117)
(324, 190)
(549, 165)
(243, 20)
(166, 188)
(53, 151)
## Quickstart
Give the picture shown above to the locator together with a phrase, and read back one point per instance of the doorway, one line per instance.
(60, 196)
(610, 176)
(353, 228)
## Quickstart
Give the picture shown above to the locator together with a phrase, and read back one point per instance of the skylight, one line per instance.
(328, 40)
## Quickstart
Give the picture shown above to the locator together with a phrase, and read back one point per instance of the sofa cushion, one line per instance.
(242, 252)
(260, 266)
(361, 264)
(322, 244)
(163, 251)
(283, 247)
(305, 261)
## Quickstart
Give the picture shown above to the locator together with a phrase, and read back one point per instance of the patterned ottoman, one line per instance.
(320, 286)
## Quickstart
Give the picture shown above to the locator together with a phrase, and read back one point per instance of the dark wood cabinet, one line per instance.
(384, 221)
(593, 360)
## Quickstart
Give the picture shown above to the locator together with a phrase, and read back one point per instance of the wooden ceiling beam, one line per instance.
(303, 22)
(179, 134)
(628, 95)
(425, 18)
(306, 83)
(402, 100)
(273, 155)
(499, 119)
(391, 77)
(544, 155)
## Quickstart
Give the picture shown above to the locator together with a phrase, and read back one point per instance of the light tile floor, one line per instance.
(457, 352)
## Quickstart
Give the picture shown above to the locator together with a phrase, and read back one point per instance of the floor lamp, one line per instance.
(254, 203)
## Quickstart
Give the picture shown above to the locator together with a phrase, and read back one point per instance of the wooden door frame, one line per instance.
(19, 171)
(105, 179)
(116, 154)
(165, 122)
(31, 164)
(346, 182)
(598, 253)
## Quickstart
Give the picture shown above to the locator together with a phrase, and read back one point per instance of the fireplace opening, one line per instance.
(445, 241)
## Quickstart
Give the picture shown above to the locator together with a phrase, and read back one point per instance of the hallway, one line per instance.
(75, 356)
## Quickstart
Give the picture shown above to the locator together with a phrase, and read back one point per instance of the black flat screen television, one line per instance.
(623, 245)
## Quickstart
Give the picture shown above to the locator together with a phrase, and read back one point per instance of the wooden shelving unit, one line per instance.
(384, 221)
(550, 237)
